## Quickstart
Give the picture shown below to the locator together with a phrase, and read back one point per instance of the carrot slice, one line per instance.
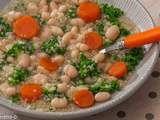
(83, 98)
(93, 40)
(31, 92)
(118, 69)
(26, 27)
(48, 64)
(89, 11)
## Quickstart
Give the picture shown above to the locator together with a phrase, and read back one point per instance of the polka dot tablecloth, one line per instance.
(145, 103)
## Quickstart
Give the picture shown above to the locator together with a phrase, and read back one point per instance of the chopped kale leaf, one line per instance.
(40, 20)
(86, 67)
(18, 76)
(112, 13)
(133, 57)
(15, 98)
(51, 47)
(72, 12)
(111, 87)
(4, 27)
(17, 48)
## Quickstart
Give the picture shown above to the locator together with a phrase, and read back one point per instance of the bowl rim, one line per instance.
(95, 109)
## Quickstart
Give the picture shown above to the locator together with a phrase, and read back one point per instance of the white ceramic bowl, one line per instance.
(139, 15)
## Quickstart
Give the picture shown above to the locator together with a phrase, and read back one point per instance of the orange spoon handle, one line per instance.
(142, 38)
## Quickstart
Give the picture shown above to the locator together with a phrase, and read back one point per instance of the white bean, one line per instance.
(40, 69)
(32, 8)
(71, 71)
(111, 78)
(62, 8)
(3, 44)
(17, 15)
(40, 78)
(107, 66)
(102, 96)
(36, 39)
(62, 87)
(24, 60)
(80, 38)
(10, 91)
(83, 47)
(74, 53)
(67, 37)
(99, 57)
(74, 30)
(57, 31)
(46, 33)
(12, 15)
(7, 90)
(33, 60)
(51, 21)
(3, 87)
(42, 3)
(44, 8)
(53, 5)
(112, 33)
(10, 59)
(59, 59)
(65, 79)
(54, 13)
(77, 22)
(78, 45)
(59, 102)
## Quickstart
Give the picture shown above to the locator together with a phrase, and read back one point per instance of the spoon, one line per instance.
(135, 40)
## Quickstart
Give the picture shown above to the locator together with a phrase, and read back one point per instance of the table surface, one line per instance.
(145, 104)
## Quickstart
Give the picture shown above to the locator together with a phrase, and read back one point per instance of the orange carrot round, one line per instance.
(83, 98)
(48, 64)
(26, 27)
(31, 92)
(118, 69)
(93, 40)
(89, 11)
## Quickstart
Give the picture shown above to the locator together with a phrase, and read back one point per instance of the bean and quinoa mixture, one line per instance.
(49, 53)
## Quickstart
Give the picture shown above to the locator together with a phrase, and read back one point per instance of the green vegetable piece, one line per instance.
(20, 6)
(29, 48)
(80, 82)
(86, 67)
(4, 27)
(17, 48)
(72, 12)
(124, 32)
(133, 57)
(114, 57)
(41, 21)
(51, 47)
(51, 93)
(100, 28)
(49, 1)
(111, 87)
(18, 76)
(2, 64)
(112, 13)
(15, 98)
(107, 43)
